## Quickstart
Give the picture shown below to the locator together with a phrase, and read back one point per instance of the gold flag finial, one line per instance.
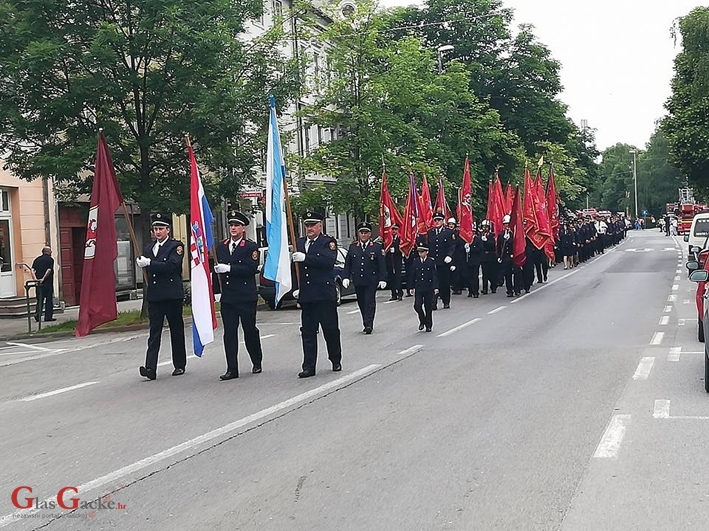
(541, 161)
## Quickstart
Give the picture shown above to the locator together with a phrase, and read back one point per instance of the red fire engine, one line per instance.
(685, 209)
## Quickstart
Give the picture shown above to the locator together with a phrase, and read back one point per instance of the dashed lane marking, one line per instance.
(458, 328)
(58, 391)
(613, 437)
(498, 309)
(657, 338)
(662, 411)
(664, 320)
(644, 368)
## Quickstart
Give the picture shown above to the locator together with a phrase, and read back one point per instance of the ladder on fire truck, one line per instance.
(686, 196)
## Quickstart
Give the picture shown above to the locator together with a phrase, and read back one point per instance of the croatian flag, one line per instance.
(277, 266)
(204, 318)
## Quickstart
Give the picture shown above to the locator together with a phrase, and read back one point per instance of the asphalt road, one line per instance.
(580, 406)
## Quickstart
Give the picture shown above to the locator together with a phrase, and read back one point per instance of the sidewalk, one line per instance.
(15, 327)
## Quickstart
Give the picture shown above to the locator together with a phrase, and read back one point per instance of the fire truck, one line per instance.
(685, 209)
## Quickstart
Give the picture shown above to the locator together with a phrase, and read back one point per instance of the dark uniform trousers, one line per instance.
(232, 314)
(423, 304)
(512, 275)
(239, 299)
(541, 265)
(394, 266)
(165, 297)
(317, 300)
(489, 264)
(367, 302)
(324, 314)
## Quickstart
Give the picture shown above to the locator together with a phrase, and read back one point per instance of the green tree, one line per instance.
(687, 123)
(391, 106)
(148, 72)
(658, 179)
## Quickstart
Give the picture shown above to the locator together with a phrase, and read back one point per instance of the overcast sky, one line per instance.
(616, 56)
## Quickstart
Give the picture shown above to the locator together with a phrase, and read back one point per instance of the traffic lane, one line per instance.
(489, 446)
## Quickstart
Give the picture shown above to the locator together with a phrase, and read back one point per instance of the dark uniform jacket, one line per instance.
(504, 246)
(489, 248)
(395, 256)
(475, 253)
(317, 276)
(239, 284)
(365, 264)
(165, 271)
(423, 275)
(441, 245)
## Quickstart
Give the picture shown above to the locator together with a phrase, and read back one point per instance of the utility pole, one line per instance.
(635, 179)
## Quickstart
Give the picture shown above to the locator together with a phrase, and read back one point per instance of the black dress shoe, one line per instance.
(50, 319)
(305, 374)
(178, 372)
(434, 308)
(257, 369)
(368, 330)
(428, 329)
(484, 292)
(494, 291)
(446, 306)
(229, 375)
(392, 298)
(420, 327)
(475, 296)
(336, 367)
(400, 297)
(148, 373)
(36, 318)
(510, 294)
(470, 294)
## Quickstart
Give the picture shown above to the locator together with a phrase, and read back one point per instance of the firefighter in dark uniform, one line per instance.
(510, 272)
(459, 274)
(162, 260)
(394, 260)
(489, 258)
(474, 256)
(441, 244)
(365, 267)
(423, 285)
(237, 265)
(316, 253)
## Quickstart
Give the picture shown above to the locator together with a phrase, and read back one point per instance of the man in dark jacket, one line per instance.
(238, 260)
(474, 253)
(316, 253)
(394, 261)
(43, 270)
(162, 259)
(423, 285)
(365, 268)
(441, 243)
(489, 258)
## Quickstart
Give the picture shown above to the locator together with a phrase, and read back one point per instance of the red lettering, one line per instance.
(16, 501)
(61, 501)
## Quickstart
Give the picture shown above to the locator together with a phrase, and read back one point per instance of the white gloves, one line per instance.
(382, 285)
(222, 268)
(142, 261)
(296, 292)
(391, 249)
(452, 268)
(346, 283)
(484, 238)
(467, 247)
(507, 236)
(499, 260)
(298, 257)
(447, 259)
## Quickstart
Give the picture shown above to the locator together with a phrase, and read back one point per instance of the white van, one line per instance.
(699, 232)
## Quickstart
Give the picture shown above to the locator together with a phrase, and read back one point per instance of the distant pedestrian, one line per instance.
(162, 259)
(43, 270)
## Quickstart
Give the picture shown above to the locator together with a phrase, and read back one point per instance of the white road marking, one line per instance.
(677, 279)
(678, 271)
(228, 429)
(675, 287)
(644, 368)
(457, 328)
(31, 347)
(410, 350)
(668, 309)
(58, 391)
(657, 338)
(498, 309)
(675, 353)
(687, 301)
(613, 437)
(664, 320)
(662, 409)
(544, 286)
(672, 298)
(353, 311)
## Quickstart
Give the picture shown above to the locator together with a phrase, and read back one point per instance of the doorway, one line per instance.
(7, 269)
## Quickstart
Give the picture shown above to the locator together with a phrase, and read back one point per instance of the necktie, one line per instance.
(156, 248)
(307, 245)
(233, 247)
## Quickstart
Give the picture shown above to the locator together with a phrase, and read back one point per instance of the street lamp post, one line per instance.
(441, 50)
(635, 180)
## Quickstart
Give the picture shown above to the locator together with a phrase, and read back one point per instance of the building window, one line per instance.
(5, 202)
(320, 142)
(5, 255)
(316, 70)
(277, 9)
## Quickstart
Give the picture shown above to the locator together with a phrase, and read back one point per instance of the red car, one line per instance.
(701, 288)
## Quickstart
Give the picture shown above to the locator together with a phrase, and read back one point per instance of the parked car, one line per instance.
(267, 288)
(698, 235)
(701, 276)
(697, 262)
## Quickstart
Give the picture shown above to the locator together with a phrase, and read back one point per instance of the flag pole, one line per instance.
(291, 228)
(131, 231)
(212, 252)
